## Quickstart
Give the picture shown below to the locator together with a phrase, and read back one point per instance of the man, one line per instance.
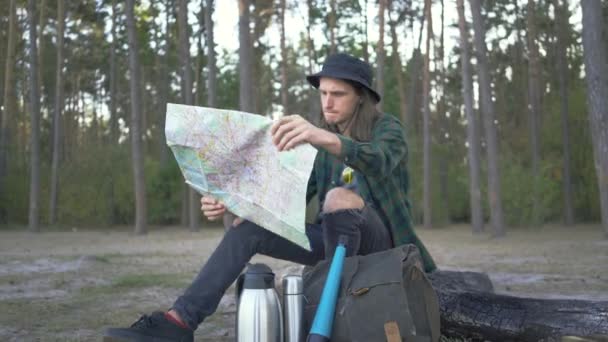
(360, 176)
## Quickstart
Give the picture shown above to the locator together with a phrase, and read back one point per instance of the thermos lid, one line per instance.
(292, 285)
(258, 276)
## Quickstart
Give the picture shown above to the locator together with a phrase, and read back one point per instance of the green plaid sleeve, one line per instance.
(378, 157)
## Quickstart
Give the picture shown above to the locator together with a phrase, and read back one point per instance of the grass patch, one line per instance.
(149, 280)
(139, 281)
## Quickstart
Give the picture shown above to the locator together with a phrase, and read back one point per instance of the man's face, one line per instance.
(338, 100)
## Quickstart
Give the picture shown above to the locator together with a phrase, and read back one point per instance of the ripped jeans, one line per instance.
(365, 231)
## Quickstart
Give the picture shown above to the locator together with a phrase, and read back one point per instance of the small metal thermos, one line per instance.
(258, 317)
(293, 308)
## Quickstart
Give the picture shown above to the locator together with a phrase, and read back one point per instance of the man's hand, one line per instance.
(293, 130)
(212, 208)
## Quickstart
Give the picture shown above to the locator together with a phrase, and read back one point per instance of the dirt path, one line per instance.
(68, 286)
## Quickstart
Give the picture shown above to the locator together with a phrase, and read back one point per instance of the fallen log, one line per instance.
(470, 309)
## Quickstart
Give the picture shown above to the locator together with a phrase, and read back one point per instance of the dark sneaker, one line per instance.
(153, 328)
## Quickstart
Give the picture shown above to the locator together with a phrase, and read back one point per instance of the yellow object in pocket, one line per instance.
(347, 175)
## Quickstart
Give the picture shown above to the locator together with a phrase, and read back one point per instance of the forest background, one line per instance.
(495, 97)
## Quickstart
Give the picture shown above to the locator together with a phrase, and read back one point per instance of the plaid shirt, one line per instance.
(381, 175)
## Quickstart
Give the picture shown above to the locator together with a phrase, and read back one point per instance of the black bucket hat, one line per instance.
(346, 67)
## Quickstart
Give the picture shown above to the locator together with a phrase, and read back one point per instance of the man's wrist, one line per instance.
(329, 141)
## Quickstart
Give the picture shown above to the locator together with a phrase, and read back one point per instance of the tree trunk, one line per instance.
(41, 44)
(472, 131)
(398, 66)
(534, 89)
(184, 49)
(313, 100)
(520, 77)
(245, 59)
(365, 39)
(245, 73)
(426, 119)
(470, 310)
(135, 129)
(34, 210)
(164, 88)
(200, 54)
(284, 89)
(10, 104)
(380, 57)
(211, 67)
(561, 22)
(413, 91)
(57, 114)
(596, 75)
(332, 27)
(113, 113)
(442, 119)
(487, 109)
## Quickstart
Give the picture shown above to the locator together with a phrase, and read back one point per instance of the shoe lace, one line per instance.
(144, 321)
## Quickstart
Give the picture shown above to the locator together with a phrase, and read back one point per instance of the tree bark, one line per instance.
(164, 87)
(184, 49)
(113, 113)
(442, 120)
(57, 114)
(534, 89)
(41, 43)
(413, 91)
(284, 89)
(398, 66)
(470, 310)
(136, 129)
(561, 22)
(596, 75)
(487, 109)
(34, 210)
(380, 53)
(313, 101)
(472, 131)
(113, 46)
(246, 102)
(245, 59)
(200, 54)
(426, 119)
(365, 29)
(10, 103)
(211, 63)
(332, 27)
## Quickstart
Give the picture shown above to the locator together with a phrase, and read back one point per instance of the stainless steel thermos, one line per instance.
(259, 317)
(293, 306)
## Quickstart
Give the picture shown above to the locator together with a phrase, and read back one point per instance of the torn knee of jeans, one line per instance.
(341, 198)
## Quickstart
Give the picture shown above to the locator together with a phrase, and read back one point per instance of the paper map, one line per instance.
(230, 156)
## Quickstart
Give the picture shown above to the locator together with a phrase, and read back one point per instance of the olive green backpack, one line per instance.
(384, 296)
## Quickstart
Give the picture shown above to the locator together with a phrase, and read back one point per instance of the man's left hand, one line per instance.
(293, 130)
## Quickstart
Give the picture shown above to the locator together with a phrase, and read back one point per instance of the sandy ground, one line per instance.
(70, 285)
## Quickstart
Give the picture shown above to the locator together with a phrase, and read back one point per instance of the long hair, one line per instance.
(364, 117)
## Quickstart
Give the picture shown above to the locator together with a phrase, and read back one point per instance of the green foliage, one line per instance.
(93, 191)
(517, 189)
(95, 183)
(164, 190)
(14, 203)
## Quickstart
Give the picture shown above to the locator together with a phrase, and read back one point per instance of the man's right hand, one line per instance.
(212, 208)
